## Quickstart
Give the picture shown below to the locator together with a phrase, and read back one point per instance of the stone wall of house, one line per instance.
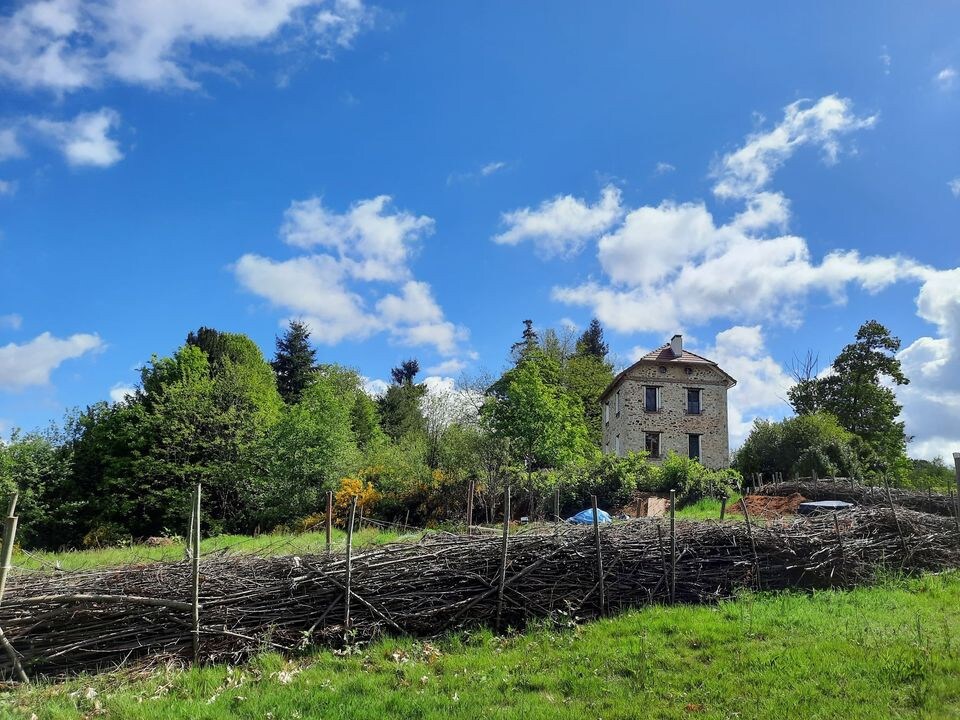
(672, 419)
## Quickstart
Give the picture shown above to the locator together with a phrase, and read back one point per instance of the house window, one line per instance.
(693, 401)
(651, 398)
(606, 411)
(618, 403)
(693, 446)
(652, 443)
(616, 447)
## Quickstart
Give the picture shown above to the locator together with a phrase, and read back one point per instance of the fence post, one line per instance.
(503, 553)
(196, 574)
(896, 520)
(673, 546)
(329, 522)
(956, 464)
(753, 545)
(188, 545)
(556, 508)
(470, 508)
(596, 537)
(9, 537)
(723, 506)
(349, 570)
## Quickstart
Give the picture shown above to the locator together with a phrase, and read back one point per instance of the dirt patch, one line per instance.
(769, 507)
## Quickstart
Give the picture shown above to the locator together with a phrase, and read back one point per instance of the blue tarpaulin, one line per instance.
(585, 517)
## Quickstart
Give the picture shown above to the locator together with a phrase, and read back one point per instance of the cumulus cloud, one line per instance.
(32, 362)
(369, 248)
(66, 45)
(447, 367)
(121, 391)
(372, 241)
(8, 187)
(663, 168)
(954, 186)
(747, 170)
(84, 140)
(563, 224)
(946, 78)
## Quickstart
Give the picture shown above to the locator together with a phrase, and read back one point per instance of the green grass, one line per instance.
(881, 652)
(707, 509)
(268, 544)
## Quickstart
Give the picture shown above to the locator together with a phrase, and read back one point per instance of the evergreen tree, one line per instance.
(294, 362)
(528, 342)
(591, 342)
(400, 412)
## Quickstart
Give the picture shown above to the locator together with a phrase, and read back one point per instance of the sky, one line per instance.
(416, 180)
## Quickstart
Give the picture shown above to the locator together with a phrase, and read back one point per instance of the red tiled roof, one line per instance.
(664, 354)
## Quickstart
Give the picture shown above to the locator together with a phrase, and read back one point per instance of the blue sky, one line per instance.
(416, 180)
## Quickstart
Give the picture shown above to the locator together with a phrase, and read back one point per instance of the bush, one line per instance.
(693, 481)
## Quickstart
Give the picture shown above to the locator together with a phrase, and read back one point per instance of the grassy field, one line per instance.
(881, 652)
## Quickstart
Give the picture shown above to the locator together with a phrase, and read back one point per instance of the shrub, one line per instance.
(693, 481)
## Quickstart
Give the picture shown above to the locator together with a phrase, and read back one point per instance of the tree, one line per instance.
(857, 393)
(529, 341)
(798, 446)
(399, 406)
(294, 362)
(591, 342)
(543, 426)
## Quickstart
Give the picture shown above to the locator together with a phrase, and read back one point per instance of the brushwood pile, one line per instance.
(60, 623)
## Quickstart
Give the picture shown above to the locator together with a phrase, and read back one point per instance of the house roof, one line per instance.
(664, 355)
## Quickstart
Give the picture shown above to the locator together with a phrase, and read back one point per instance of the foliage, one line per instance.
(294, 362)
(400, 413)
(798, 446)
(351, 487)
(929, 474)
(693, 481)
(859, 395)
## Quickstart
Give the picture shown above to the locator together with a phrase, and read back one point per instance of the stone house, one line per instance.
(670, 399)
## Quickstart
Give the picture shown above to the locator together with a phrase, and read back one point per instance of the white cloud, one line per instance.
(954, 186)
(373, 242)
(663, 168)
(375, 387)
(8, 187)
(32, 362)
(84, 140)
(946, 78)
(491, 168)
(749, 169)
(447, 367)
(10, 146)
(885, 60)
(65, 45)
(370, 247)
(562, 225)
(121, 391)
(569, 324)
(11, 320)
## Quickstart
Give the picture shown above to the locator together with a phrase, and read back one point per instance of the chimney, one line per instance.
(676, 345)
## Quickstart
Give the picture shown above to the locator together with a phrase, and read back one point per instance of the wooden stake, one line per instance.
(673, 546)
(896, 520)
(188, 545)
(596, 538)
(9, 538)
(196, 574)
(470, 507)
(556, 508)
(329, 522)
(753, 545)
(723, 506)
(349, 570)
(956, 464)
(503, 553)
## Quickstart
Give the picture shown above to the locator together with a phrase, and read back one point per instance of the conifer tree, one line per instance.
(294, 362)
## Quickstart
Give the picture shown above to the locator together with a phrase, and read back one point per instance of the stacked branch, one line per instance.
(920, 501)
(70, 622)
